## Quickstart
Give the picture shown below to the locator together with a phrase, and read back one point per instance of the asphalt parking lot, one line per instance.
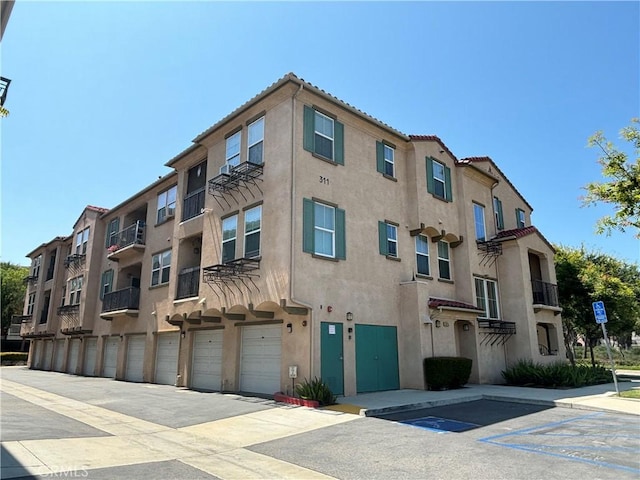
(101, 429)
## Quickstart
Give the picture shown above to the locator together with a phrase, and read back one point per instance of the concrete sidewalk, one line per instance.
(595, 397)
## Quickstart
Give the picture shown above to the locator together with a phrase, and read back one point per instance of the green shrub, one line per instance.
(446, 372)
(317, 390)
(13, 358)
(525, 373)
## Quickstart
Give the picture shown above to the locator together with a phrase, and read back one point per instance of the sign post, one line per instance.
(601, 318)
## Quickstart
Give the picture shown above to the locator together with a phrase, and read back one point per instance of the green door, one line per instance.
(331, 364)
(376, 358)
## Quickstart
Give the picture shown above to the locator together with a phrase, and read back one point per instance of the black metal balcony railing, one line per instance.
(30, 279)
(133, 234)
(125, 299)
(20, 319)
(74, 260)
(188, 283)
(193, 204)
(544, 293)
(68, 309)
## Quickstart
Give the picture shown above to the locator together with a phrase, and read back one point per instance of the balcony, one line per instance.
(75, 260)
(234, 273)
(66, 310)
(30, 280)
(240, 177)
(120, 303)
(545, 296)
(188, 283)
(129, 242)
(193, 204)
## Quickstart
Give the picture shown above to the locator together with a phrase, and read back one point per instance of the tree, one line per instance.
(622, 190)
(585, 277)
(13, 291)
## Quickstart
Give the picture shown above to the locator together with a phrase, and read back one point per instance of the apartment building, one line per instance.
(299, 237)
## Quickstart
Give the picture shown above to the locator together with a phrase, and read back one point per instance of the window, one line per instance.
(252, 228)
(113, 230)
(422, 255)
(439, 180)
(35, 269)
(520, 218)
(444, 262)
(160, 267)
(82, 240)
(388, 239)
(233, 149)
(75, 290)
(487, 298)
(31, 301)
(255, 142)
(323, 228)
(229, 229)
(64, 296)
(323, 135)
(385, 159)
(107, 283)
(497, 210)
(478, 218)
(52, 265)
(193, 203)
(167, 204)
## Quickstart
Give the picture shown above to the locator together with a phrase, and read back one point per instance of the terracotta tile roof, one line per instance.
(441, 302)
(432, 138)
(517, 232)
(97, 209)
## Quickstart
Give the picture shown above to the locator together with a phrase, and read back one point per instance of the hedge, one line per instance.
(446, 372)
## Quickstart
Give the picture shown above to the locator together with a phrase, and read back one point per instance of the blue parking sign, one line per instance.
(599, 312)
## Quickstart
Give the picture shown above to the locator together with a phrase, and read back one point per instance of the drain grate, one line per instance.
(440, 424)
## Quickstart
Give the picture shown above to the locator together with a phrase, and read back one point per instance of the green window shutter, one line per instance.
(380, 157)
(308, 128)
(341, 244)
(430, 186)
(107, 279)
(382, 238)
(499, 214)
(307, 226)
(447, 184)
(338, 145)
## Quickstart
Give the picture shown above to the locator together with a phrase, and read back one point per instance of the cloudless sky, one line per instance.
(103, 94)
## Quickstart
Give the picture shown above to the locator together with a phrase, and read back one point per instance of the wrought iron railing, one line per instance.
(125, 299)
(133, 234)
(193, 204)
(188, 283)
(544, 293)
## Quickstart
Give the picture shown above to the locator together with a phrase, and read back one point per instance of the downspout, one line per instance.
(493, 208)
(292, 271)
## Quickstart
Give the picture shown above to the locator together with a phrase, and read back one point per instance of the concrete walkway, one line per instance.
(595, 397)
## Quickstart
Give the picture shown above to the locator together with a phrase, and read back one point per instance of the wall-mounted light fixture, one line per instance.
(304, 323)
(438, 323)
(121, 337)
(289, 327)
(465, 327)
(183, 333)
(349, 316)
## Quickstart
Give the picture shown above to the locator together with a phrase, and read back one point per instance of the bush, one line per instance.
(13, 358)
(525, 373)
(446, 372)
(317, 390)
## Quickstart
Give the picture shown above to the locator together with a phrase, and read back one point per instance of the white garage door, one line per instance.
(59, 355)
(90, 353)
(110, 357)
(135, 358)
(74, 353)
(48, 354)
(167, 358)
(260, 358)
(206, 367)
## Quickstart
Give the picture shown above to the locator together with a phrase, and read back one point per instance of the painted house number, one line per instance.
(324, 180)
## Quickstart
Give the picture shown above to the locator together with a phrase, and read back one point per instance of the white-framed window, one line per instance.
(63, 302)
(75, 290)
(82, 240)
(31, 301)
(497, 210)
(160, 268)
(392, 240)
(229, 234)
(232, 156)
(444, 260)
(324, 229)
(252, 229)
(167, 204)
(422, 255)
(35, 269)
(487, 298)
(520, 218)
(255, 142)
(478, 218)
(439, 179)
(324, 135)
(389, 160)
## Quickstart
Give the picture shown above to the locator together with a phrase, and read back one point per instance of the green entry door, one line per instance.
(376, 358)
(331, 364)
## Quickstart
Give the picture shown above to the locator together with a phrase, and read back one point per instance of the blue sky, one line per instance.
(103, 94)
